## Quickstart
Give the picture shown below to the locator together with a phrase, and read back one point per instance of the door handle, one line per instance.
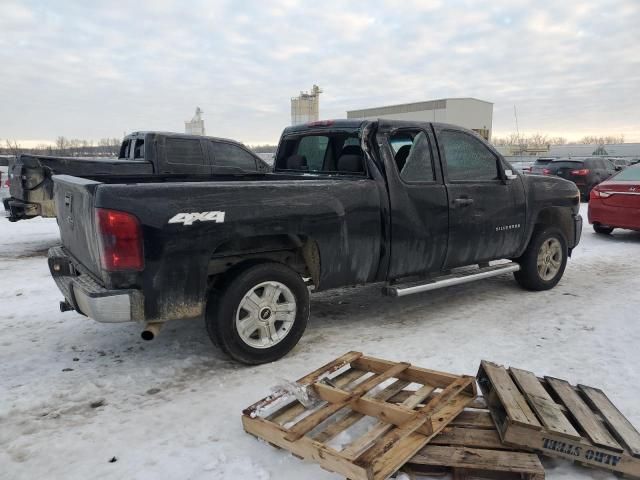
(463, 202)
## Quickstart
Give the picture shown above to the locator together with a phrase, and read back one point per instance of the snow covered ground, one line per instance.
(74, 393)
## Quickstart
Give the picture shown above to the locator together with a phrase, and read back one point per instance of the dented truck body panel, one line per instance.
(338, 230)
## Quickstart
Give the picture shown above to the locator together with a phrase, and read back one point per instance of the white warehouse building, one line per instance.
(471, 113)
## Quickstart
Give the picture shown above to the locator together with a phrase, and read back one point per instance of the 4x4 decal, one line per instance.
(190, 218)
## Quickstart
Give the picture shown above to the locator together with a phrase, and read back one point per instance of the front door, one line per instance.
(418, 200)
(486, 210)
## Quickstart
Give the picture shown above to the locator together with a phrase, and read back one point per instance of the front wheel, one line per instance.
(543, 262)
(260, 314)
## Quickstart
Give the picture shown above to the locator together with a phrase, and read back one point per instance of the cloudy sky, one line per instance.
(96, 69)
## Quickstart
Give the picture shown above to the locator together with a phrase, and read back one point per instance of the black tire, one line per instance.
(223, 305)
(529, 276)
(602, 229)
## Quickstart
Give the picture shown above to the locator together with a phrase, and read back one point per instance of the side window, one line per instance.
(124, 149)
(313, 148)
(467, 158)
(138, 152)
(412, 153)
(230, 155)
(184, 151)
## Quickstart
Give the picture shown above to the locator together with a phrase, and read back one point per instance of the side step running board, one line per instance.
(453, 279)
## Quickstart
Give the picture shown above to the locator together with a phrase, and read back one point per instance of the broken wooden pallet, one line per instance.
(354, 430)
(470, 447)
(555, 418)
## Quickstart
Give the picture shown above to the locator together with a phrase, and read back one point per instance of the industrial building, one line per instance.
(305, 107)
(471, 113)
(196, 125)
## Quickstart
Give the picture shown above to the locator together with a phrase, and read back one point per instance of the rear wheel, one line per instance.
(604, 230)
(260, 314)
(543, 262)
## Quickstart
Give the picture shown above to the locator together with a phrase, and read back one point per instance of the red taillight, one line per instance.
(546, 171)
(120, 240)
(581, 173)
(595, 193)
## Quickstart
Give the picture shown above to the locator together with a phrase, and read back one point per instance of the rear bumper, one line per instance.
(618, 217)
(90, 298)
(20, 210)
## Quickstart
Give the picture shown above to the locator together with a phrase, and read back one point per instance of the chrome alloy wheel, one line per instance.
(549, 259)
(266, 314)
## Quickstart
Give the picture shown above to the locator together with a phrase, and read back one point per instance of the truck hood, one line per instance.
(553, 191)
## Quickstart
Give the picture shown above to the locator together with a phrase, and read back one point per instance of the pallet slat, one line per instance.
(548, 411)
(352, 417)
(621, 427)
(583, 415)
(526, 464)
(512, 400)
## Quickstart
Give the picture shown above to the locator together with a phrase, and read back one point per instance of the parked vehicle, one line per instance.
(620, 163)
(539, 165)
(615, 203)
(349, 203)
(586, 173)
(155, 155)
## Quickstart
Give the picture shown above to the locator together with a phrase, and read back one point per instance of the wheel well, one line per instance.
(556, 217)
(296, 251)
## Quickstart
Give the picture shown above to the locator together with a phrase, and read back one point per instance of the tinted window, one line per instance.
(313, 148)
(184, 151)
(230, 155)
(575, 165)
(124, 149)
(467, 158)
(412, 151)
(543, 161)
(138, 152)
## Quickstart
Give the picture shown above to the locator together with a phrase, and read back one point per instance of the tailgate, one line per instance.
(74, 199)
(25, 174)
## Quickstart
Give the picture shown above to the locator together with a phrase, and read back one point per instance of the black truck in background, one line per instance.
(415, 205)
(158, 155)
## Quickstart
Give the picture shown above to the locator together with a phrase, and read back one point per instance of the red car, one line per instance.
(615, 203)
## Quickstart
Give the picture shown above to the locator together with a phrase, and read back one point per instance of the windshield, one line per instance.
(629, 173)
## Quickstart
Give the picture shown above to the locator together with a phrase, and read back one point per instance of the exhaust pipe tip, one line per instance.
(151, 331)
(65, 306)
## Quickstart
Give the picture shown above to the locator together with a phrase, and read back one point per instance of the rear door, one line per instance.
(486, 210)
(418, 200)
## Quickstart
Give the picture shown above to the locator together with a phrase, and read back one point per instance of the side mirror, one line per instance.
(509, 175)
(618, 167)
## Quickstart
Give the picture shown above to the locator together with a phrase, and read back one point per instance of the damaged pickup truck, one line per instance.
(150, 154)
(348, 203)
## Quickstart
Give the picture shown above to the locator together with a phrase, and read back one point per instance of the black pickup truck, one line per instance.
(158, 155)
(348, 203)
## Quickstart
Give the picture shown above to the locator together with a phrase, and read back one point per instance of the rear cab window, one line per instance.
(413, 155)
(329, 152)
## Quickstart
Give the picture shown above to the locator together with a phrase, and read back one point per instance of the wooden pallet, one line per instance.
(470, 447)
(554, 418)
(354, 391)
